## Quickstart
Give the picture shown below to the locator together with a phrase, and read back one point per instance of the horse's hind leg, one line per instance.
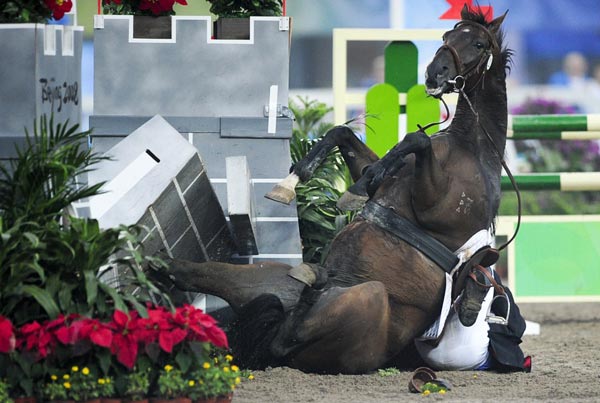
(237, 284)
(355, 153)
(345, 330)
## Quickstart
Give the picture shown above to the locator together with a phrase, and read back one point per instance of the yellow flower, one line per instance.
(235, 368)
(168, 368)
(74, 368)
(85, 371)
(237, 380)
(191, 383)
(229, 357)
(216, 360)
(206, 365)
(101, 381)
(225, 369)
(53, 377)
(426, 393)
(107, 380)
(251, 377)
(66, 377)
(442, 391)
(67, 385)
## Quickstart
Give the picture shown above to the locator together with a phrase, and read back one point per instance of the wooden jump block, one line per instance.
(157, 179)
(240, 205)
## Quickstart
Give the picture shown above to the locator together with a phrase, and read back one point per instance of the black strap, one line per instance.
(407, 231)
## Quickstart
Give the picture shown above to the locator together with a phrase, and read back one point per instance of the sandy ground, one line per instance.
(566, 367)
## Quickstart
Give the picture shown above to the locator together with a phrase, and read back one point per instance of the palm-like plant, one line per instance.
(50, 262)
(319, 218)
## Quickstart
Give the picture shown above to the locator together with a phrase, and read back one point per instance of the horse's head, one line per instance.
(471, 48)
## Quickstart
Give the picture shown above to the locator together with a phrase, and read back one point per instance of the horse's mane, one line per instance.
(477, 16)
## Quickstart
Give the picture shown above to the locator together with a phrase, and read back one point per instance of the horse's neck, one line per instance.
(491, 106)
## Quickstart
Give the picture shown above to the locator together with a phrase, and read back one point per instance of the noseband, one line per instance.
(486, 58)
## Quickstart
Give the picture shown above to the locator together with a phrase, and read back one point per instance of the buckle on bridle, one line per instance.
(458, 83)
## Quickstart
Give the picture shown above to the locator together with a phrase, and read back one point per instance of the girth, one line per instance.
(388, 220)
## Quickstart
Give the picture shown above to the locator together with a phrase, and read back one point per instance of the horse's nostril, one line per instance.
(445, 68)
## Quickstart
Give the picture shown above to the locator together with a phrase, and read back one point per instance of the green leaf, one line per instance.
(43, 298)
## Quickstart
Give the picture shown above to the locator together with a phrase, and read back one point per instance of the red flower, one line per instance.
(7, 335)
(36, 338)
(59, 7)
(95, 331)
(158, 7)
(124, 342)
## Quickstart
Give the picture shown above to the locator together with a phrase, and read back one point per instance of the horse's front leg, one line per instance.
(358, 194)
(355, 153)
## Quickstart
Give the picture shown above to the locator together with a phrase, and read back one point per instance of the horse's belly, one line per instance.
(364, 252)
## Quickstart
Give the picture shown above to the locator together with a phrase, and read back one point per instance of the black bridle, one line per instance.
(463, 72)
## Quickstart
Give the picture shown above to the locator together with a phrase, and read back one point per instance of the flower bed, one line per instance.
(166, 354)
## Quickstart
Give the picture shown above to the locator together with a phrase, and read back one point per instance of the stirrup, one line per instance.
(496, 319)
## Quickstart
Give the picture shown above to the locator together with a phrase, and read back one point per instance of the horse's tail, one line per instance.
(253, 331)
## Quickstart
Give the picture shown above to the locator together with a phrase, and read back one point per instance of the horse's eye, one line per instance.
(479, 45)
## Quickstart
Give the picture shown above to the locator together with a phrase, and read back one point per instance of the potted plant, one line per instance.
(36, 11)
(138, 384)
(171, 386)
(106, 390)
(4, 397)
(57, 390)
(234, 16)
(151, 18)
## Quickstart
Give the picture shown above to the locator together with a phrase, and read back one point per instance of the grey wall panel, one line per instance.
(232, 79)
(278, 237)
(267, 158)
(39, 76)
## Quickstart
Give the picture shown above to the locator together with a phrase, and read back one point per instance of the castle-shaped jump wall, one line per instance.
(217, 94)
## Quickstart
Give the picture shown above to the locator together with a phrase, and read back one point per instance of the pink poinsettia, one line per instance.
(7, 335)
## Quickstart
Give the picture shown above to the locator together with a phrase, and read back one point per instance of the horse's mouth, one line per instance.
(439, 91)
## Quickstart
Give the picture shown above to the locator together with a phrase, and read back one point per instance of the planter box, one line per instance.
(40, 74)
(232, 28)
(189, 74)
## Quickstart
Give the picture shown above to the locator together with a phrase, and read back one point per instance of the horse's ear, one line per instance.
(495, 24)
(465, 12)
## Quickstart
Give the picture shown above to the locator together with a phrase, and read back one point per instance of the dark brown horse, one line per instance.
(376, 291)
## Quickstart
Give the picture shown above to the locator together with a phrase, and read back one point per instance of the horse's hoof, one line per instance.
(351, 202)
(284, 191)
(281, 194)
(303, 273)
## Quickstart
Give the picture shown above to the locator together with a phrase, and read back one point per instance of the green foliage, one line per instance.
(55, 389)
(138, 383)
(388, 371)
(24, 11)
(4, 397)
(171, 383)
(319, 218)
(245, 8)
(53, 263)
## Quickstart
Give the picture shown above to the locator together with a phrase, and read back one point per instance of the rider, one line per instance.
(481, 327)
